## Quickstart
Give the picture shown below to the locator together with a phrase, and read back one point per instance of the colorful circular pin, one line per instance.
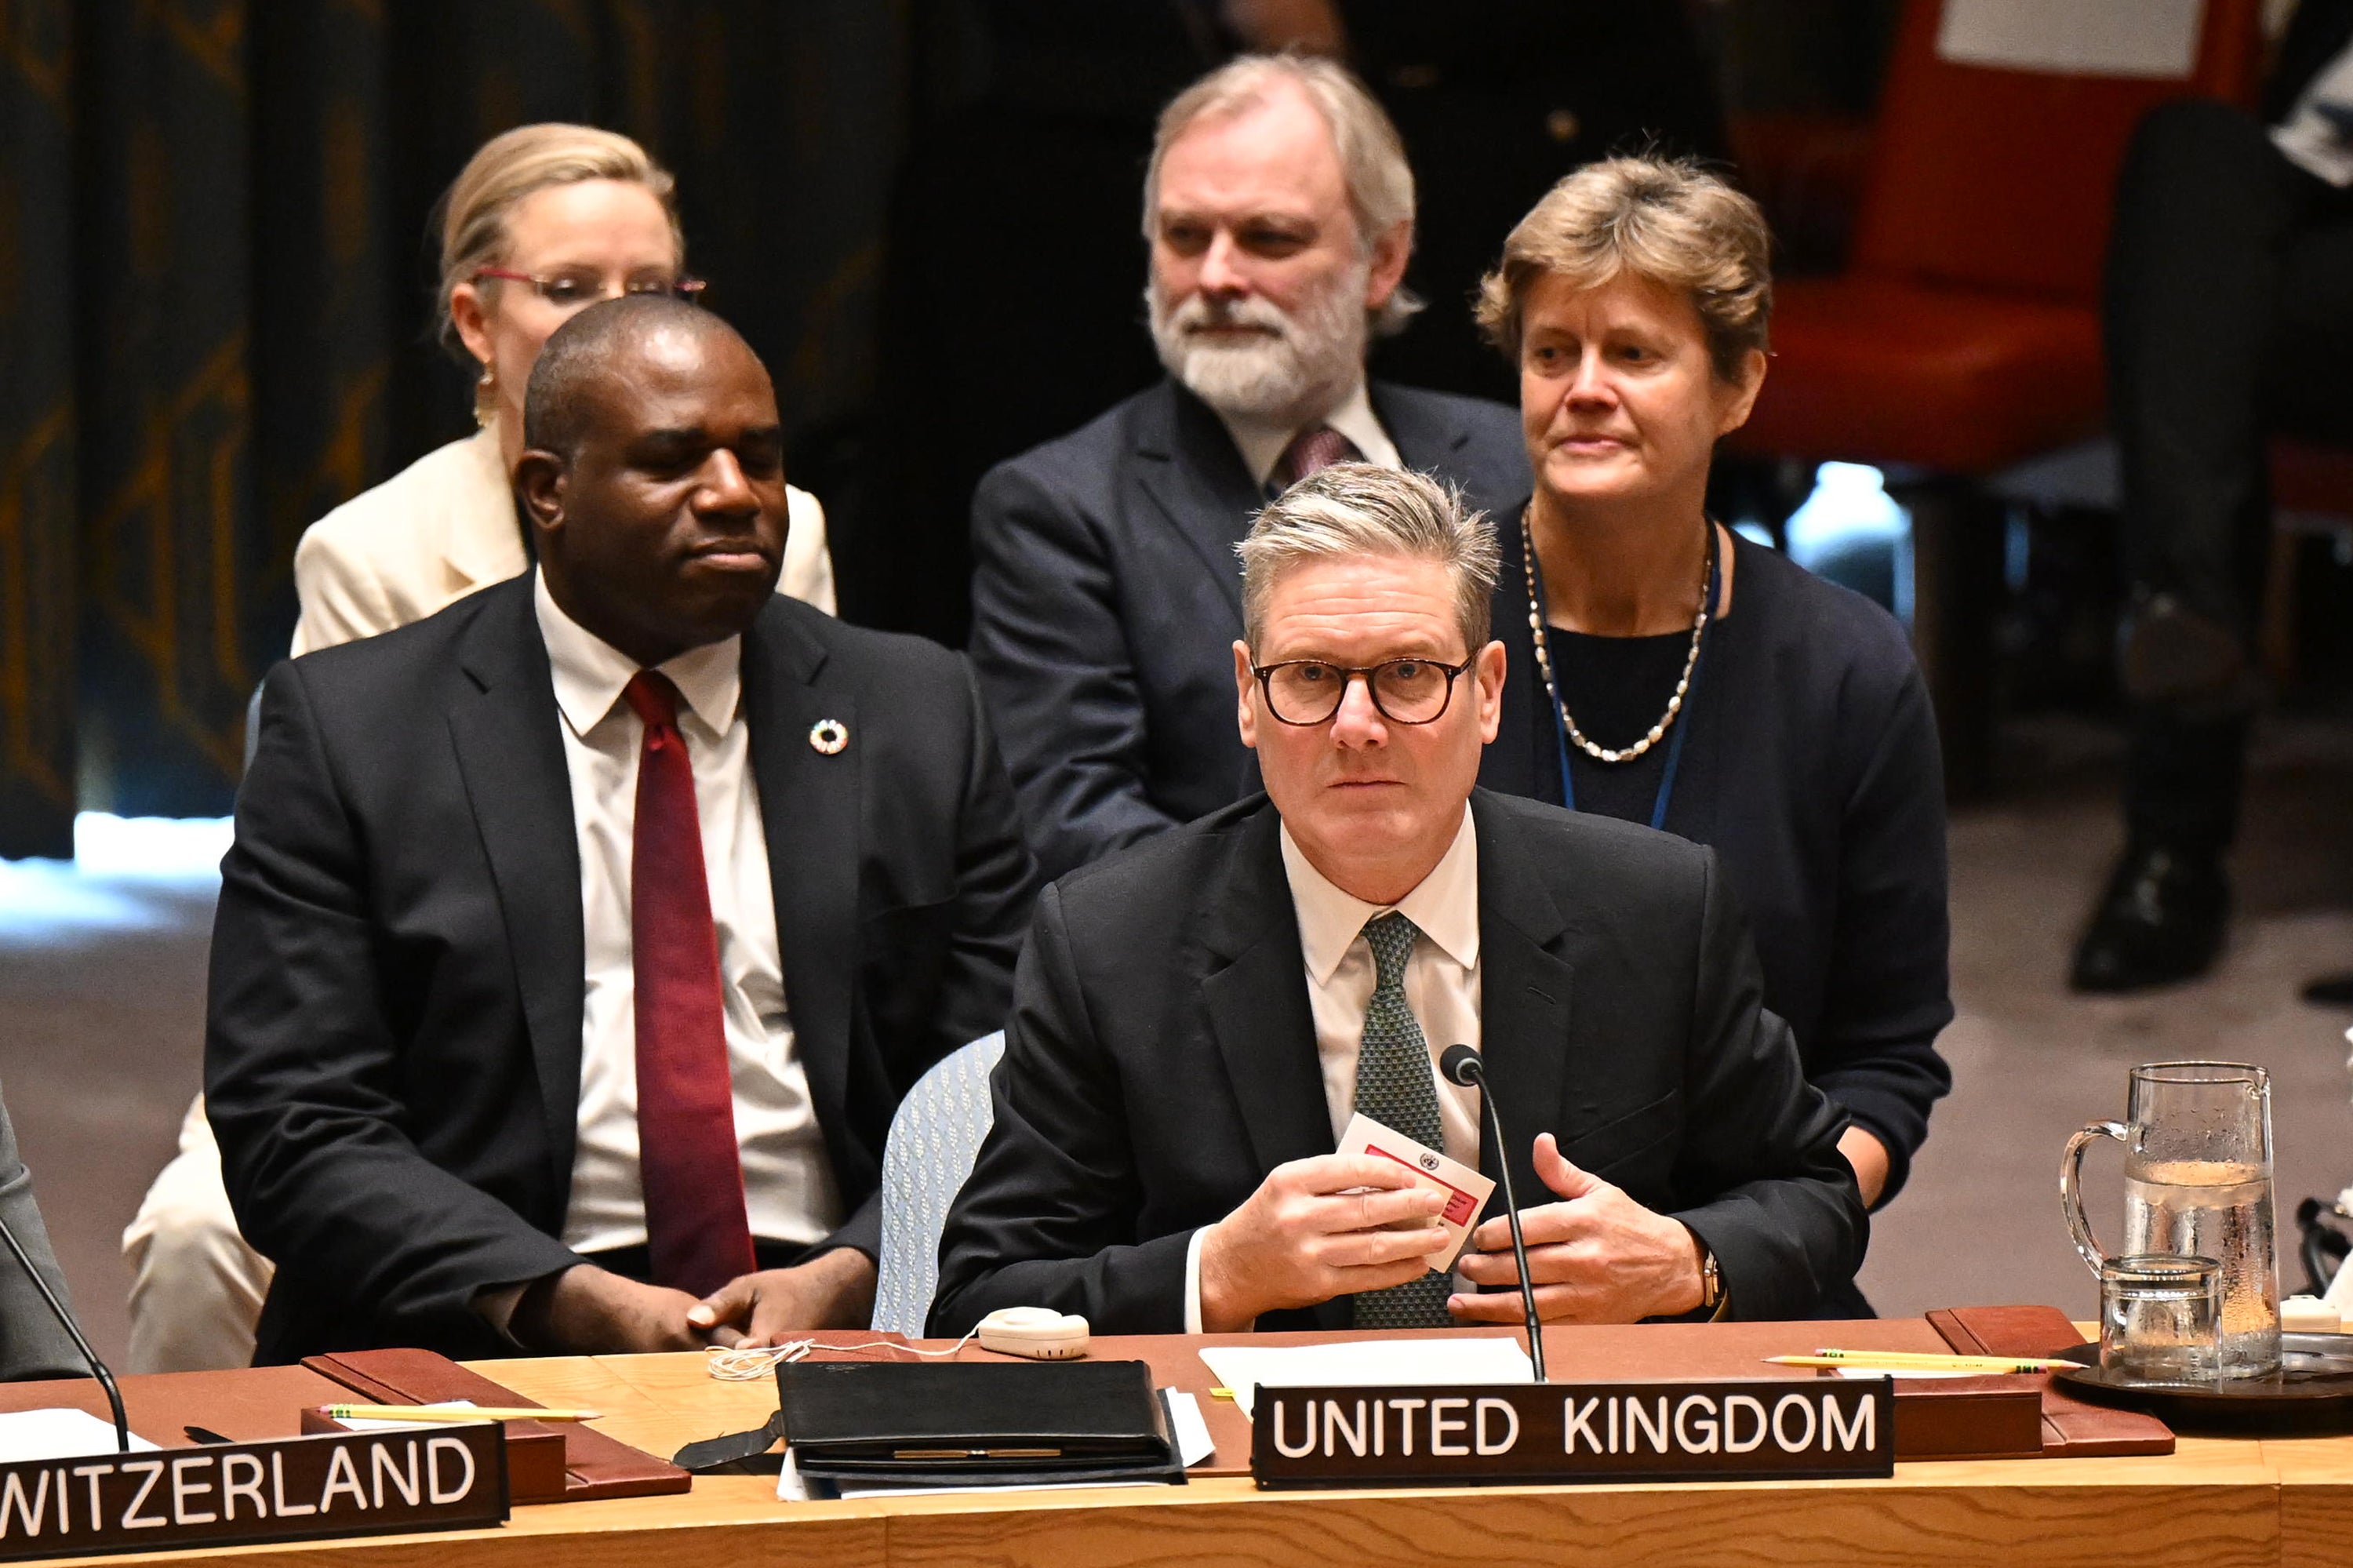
(828, 736)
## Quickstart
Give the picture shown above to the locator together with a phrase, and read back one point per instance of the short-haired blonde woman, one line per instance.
(1663, 671)
(542, 220)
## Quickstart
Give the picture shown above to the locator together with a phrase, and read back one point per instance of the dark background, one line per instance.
(215, 277)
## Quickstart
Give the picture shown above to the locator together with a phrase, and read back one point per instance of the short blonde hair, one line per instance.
(1372, 154)
(1363, 509)
(515, 163)
(1667, 220)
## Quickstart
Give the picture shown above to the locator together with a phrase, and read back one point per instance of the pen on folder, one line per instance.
(435, 1412)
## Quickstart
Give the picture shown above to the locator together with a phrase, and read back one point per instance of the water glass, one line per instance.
(2160, 1316)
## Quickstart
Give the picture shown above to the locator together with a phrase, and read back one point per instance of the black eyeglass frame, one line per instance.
(1348, 675)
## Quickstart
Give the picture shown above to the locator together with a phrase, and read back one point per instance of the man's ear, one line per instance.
(1244, 715)
(539, 478)
(1391, 251)
(1488, 673)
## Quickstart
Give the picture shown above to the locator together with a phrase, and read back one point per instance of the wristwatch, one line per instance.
(1711, 1281)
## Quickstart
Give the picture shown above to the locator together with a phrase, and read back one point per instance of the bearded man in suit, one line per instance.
(1279, 209)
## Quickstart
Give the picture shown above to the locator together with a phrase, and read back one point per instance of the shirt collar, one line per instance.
(1444, 904)
(1262, 442)
(589, 671)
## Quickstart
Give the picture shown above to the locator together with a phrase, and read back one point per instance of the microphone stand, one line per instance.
(58, 1310)
(1463, 1065)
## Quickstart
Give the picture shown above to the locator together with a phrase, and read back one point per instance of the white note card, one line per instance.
(2157, 39)
(1366, 1363)
(56, 1433)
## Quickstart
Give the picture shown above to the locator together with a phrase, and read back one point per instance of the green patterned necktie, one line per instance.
(1396, 1087)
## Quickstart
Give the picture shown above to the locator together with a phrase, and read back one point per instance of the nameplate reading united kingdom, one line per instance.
(1512, 1434)
(299, 1489)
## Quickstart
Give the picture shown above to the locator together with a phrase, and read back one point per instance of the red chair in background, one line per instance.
(1964, 335)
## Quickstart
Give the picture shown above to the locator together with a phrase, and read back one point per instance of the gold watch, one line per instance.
(1711, 1280)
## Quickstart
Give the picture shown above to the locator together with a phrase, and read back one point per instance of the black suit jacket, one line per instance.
(394, 1030)
(1161, 1060)
(1106, 597)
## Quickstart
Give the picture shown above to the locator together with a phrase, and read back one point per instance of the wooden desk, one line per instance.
(2213, 1504)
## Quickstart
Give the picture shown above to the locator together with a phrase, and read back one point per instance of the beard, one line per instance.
(1295, 368)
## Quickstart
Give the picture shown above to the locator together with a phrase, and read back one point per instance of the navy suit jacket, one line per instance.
(1161, 1060)
(393, 1035)
(1106, 597)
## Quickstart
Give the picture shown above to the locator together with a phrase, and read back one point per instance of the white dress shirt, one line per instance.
(2310, 136)
(788, 1186)
(1441, 988)
(1261, 443)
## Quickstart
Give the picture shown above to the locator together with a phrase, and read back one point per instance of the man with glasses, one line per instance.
(1196, 1020)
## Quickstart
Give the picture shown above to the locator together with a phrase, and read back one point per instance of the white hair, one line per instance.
(1363, 509)
(1372, 156)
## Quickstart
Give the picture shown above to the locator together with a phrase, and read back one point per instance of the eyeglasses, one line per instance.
(1405, 691)
(571, 290)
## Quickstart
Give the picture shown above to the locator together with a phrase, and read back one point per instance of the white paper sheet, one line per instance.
(54, 1433)
(2149, 39)
(1366, 1363)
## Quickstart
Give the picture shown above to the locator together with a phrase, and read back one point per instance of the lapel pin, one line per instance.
(828, 736)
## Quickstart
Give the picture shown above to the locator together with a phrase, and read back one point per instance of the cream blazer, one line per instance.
(445, 525)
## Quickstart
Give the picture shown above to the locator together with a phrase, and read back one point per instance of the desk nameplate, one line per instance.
(1515, 1433)
(296, 1489)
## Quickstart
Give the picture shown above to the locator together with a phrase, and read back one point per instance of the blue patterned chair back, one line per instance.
(933, 1141)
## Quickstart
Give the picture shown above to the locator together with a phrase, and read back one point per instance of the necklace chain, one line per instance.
(1544, 653)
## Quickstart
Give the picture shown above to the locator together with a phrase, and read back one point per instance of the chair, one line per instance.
(1964, 336)
(933, 1141)
(2311, 496)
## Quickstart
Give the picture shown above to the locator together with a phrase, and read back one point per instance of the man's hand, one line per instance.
(1599, 1257)
(1869, 1157)
(587, 1310)
(1303, 1237)
(832, 1291)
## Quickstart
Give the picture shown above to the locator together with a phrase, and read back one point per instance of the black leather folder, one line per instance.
(976, 1423)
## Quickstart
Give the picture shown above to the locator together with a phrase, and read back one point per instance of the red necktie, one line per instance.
(693, 1175)
(1318, 446)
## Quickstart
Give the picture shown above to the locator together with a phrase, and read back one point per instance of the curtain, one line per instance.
(215, 282)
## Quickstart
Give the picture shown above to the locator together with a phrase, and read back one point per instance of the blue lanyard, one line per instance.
(1683, 719)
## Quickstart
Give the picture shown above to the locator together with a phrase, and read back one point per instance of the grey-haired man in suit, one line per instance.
(1279, 209)
(1195, 1022)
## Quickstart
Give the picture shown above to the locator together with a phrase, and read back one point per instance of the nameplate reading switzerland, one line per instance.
(299, 1489)
(1510, 1433)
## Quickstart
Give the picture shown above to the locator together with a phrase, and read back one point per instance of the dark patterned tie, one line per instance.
(1318, 446)
(1396, 1086)
(692, 1170)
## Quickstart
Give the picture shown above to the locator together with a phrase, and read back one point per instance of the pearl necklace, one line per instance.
(1544, 652)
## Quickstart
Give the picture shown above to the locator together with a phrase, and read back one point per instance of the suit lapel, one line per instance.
(1524, 982)
(502, 725)
(1257, 1002)
(808, 811)
(1188, 467)
(1425, 443)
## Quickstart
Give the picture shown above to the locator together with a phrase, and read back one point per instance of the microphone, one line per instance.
(1463, 1065)
(58, 1309)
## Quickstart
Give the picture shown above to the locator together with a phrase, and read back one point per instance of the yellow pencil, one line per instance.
(454, 1413)
(1918, 1362)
